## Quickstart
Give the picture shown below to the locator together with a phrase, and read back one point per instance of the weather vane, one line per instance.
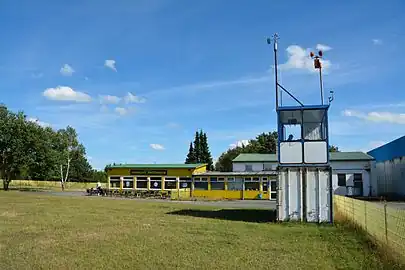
(318, 65)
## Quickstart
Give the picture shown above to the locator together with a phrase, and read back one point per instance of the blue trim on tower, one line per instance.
(306, 107)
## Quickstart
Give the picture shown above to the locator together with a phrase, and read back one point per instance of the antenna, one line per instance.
(274, 39)
(331, 97)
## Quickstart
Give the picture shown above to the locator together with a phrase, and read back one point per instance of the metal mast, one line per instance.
(275, 38)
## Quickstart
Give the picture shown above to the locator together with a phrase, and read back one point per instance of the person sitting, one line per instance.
(98, 187)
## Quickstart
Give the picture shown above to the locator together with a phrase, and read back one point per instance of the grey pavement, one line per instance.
(396, 205)
(234, 204)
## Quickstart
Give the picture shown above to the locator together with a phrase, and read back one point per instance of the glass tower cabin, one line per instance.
(303, 135)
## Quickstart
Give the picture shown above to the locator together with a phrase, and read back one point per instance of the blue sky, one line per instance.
(137, 78)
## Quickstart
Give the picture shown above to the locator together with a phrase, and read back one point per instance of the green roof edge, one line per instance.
(169, 166)
(365, 157)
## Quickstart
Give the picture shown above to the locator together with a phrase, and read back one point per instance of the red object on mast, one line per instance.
(317, 63)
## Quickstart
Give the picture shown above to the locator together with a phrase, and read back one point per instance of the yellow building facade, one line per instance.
(193, 181)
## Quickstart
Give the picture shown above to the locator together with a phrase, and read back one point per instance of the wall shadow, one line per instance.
(247, 215)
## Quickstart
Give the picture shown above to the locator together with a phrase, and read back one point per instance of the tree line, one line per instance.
(31, 151)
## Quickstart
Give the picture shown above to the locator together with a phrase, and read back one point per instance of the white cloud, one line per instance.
(156, 146)
(121, 110)
(66, 70)
(239, 144)
(65, 93)
(107, 99)
(110, 64)
(298, 58)
(323, 47)
(378, 117)
(36, 120)
(377, 41)
(130, 98)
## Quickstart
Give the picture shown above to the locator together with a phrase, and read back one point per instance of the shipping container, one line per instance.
(305, 194)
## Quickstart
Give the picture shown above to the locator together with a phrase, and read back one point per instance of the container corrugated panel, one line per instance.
(305, 195)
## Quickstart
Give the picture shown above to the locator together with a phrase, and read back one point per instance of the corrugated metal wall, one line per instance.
(390, 177)
(305, 195)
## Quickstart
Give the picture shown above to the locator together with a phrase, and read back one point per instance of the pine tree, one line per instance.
(197, 147)
(205, 151)
(191, 155)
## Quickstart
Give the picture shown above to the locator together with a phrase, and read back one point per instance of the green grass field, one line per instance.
(52, 232)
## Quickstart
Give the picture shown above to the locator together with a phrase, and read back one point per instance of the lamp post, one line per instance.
(318, 65)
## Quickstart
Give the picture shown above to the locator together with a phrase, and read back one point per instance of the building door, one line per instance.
(273, 189)
(358, 184)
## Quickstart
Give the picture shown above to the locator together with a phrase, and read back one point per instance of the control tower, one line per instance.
(304, 183)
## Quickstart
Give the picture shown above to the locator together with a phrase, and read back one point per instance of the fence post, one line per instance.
(385, 222)
(354, 220)
(365, 216)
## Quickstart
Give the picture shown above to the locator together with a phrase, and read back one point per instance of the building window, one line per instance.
(170, 184)
(218, 186)
(185, 182)
(267, 167)
(248, 168)
(201, 185)
(213, 179)
(115, 182)
(156, 182)
(128, 182)
(252, 186)
(358, 180)
(357, 177)
(142, 182)
(341, 179)
(273, 196)
(256, 178)
(292, 132)
(231, 179)
(235, 185)
(273, 185)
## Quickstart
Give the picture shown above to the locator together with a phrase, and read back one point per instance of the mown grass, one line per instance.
(52, 232)
(48, 185)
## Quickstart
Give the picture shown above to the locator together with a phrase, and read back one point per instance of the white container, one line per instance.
(304, 194)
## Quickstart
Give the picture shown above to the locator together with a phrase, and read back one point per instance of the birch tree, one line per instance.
(67, 152)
